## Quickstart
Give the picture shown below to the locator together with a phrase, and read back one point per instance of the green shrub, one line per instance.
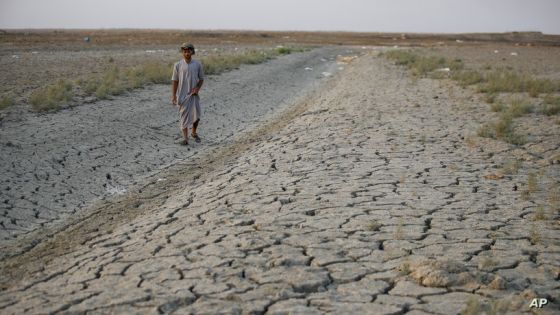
(284, 50)
(51, 97)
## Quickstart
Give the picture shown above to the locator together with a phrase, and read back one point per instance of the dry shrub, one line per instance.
(51, 97)
(509, 81)
(503, 129)
(520, 107)
(532, 183)
(512, 167)
(490, 98)
(493, 307)
(373, 225)
(111, 84)
(6, 101)
(439, 273)
(539, 214)
(468, 77)
(554, 198)
(402, 57)
(216, 64)
(116, 81)
(419, 65)
(498, 107)
(551, 105)
(534, 235)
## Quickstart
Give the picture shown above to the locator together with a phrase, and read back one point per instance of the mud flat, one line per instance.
(55, 165)
(368, 196)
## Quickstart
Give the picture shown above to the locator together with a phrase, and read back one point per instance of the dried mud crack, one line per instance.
(352, 201)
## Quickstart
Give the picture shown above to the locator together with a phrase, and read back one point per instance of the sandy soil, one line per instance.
(352, 189)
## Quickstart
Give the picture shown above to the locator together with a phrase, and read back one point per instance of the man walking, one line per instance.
(187, 78)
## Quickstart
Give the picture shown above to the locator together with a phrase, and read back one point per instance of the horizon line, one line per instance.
(265, 30)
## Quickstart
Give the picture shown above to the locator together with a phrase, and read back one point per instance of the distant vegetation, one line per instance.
(116, 81)
(492, 83)
(52, 96)
(421, 66)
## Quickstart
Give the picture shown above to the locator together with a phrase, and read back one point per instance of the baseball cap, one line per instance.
(188, 46)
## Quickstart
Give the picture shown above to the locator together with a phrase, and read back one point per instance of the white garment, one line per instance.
(188, 75)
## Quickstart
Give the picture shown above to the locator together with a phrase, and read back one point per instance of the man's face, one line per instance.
(187, 53)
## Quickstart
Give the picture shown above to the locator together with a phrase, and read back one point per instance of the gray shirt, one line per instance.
(188, 75)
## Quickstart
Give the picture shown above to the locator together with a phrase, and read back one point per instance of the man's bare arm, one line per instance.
(197, 87)
(174, 91)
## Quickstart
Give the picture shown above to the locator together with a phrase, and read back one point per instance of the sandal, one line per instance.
(196, 137)
(184, 142)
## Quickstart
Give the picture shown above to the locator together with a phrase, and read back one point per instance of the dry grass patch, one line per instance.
(532, 183)
(420, 65)
(468, 77)
(487, 263)
(498, 107)
(490, 98)
(554, 199)
(502, 129)
(216, 64)
(504, 80)
(534, 235)
(512, 167)
(439, 273)
(373, 225)
(494, 307)
(539, 214)
(52, 97)
(551, 105)
(6, 101)
(116, 81)
(520, 107)
(404, 269)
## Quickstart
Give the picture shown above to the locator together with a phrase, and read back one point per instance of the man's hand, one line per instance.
(195, 90)
(174, 100)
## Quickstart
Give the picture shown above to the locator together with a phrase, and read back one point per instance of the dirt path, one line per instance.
(55, 165)
(364, 198)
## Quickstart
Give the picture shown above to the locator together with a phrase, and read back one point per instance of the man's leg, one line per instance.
(185, 134)
(195, 125)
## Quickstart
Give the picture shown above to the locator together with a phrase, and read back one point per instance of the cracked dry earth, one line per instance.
(363, 199)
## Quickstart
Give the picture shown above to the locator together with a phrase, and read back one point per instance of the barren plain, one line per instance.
(328, 181)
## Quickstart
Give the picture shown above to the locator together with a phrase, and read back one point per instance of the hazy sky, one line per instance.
(443, 16)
